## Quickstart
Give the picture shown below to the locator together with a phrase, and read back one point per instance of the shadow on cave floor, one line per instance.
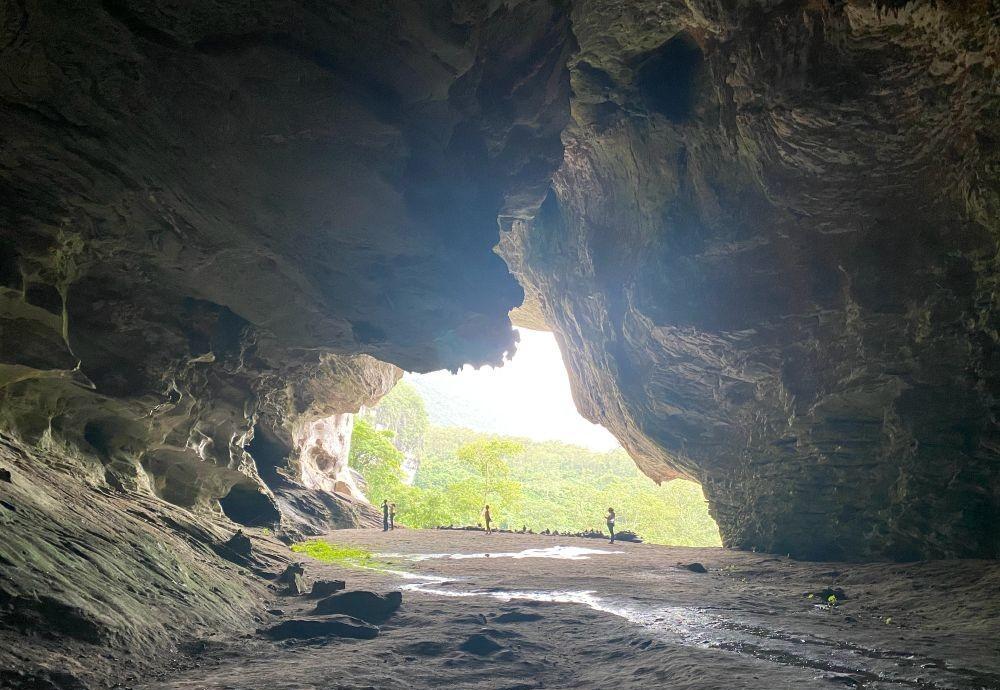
(633, 616)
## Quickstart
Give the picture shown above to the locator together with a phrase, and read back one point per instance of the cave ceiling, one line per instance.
(763, 233)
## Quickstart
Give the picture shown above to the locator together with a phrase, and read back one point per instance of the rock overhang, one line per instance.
(763, 235)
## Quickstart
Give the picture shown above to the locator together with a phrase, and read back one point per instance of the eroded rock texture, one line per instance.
(767, 246)
(219, 222)
(770, 260)
(222, 227)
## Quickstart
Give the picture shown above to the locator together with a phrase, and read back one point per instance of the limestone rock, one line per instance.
(368, 606)
(323, 588)
(292, 578)
(330, 626)
(480, 645)
(769, 259)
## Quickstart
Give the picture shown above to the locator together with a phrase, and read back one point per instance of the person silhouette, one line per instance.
(385, 515)
(487, 518)
(610, 517)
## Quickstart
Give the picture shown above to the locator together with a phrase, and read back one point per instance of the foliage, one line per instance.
(333, 553)
(377, 460)
(402, 412)
(538, 485)
(487, 457)
(568, 488)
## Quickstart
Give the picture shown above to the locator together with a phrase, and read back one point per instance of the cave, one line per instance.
(250, 507)
(667, 78)
(763, 235)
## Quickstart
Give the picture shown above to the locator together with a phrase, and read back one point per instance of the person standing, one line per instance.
(610, 517)
(392, 516)
(385, 515)
(487, 518)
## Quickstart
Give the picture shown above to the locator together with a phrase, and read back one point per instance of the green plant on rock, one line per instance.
(334, 553)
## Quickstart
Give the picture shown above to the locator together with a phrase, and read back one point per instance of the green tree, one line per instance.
(488, 460)
(402, 411)
(377, 460)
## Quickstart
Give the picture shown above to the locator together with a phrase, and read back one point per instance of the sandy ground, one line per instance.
(627, 616)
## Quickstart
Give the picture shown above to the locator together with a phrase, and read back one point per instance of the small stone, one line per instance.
(332, 626)
(480, 645)
(825, 594)
(324, 588)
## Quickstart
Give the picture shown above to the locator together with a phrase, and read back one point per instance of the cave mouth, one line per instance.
(442, 445)
(667, 77)
(248, 506)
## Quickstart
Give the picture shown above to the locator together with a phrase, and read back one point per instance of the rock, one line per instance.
(425, 648)
(330, 626)
(291, 571)
(240, 544)
(322, 588)
(480, 645)
(517, 617)
(825, 594)
(292, 578)
(627, 536)
(773, 355)
(696, 568)
(368, 606)
(5, 475)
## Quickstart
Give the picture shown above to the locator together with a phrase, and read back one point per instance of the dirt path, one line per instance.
(580, 613)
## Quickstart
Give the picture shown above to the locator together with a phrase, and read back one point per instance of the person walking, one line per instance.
(610, 517)
(385, 515)
(488, 519)
(392, 516)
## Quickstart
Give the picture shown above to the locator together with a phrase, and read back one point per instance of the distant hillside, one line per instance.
(448, 404)
(496, 405)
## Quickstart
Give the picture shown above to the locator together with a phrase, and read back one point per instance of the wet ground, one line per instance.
(559, 612)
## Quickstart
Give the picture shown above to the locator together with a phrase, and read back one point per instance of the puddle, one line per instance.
(569, 553)
(694, 627)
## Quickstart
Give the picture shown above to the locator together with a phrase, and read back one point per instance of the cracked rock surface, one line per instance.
(769, 258)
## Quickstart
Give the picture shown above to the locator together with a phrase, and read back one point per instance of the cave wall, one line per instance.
(764, 234)
(769, 258)
(221, 219)
(224, 226)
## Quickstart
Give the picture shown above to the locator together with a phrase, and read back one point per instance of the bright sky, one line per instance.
(528, 396)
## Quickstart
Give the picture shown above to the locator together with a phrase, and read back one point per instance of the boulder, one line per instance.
(695, 568)
(240, 544)
(331, 626)
(480, 645)
(368, 606)
(517, 617)
(324, 588)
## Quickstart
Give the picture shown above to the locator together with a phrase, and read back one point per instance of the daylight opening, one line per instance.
(441, 446)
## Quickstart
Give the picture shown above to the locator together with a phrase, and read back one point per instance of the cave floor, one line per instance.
(629, 616)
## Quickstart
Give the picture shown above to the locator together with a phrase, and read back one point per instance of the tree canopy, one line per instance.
(539, 485)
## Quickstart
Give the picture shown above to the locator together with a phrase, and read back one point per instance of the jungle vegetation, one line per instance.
(538, 485)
